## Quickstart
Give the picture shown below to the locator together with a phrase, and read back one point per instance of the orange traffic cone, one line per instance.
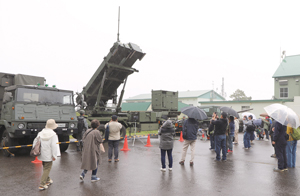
(125, 147)
(181, 138)
(148, 141)
(36, 160)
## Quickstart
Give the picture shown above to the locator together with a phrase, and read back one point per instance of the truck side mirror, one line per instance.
(7, 97)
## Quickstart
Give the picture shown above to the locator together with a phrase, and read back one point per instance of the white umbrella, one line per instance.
(248, 114)
(283, 114)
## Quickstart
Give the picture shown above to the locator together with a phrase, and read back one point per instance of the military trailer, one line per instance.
(26, 103)
(99, 97)
(165, 104)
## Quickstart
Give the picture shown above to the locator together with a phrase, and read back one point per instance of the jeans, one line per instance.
(267, 133)
(163, 158)
(221, 143)
(113, 145)
(94, 172)
(247, 139)
(291, 149)
(212, 142)
(230, 142)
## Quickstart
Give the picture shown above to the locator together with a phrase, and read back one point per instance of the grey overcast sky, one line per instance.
(189, 44)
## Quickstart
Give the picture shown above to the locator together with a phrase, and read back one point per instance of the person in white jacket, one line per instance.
(49, 152)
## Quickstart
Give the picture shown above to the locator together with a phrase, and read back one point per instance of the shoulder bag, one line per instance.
(36, 149)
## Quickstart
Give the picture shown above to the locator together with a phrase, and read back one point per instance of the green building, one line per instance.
(286, 78)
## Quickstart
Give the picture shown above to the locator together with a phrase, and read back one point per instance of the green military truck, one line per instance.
(26, 103)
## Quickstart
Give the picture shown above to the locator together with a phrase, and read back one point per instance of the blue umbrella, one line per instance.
(194, 112)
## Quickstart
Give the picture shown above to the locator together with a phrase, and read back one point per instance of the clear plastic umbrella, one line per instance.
(283, 114)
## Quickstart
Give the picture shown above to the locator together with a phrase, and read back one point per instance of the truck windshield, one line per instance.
(44, 96)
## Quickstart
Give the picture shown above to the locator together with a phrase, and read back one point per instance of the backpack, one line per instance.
(296, 134)
(250, 128)
(80, 124)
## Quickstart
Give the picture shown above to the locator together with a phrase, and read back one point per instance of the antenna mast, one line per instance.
(118, 25)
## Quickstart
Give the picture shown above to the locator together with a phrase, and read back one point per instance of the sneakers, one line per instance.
(245, 148)
(109, 160)
(81, 176)
(181, 162)
(95, 179)
(170, 169)
(273, 155)
(41, 188)
(117, 160)
(217, 160)
(278, 170)
(49, 182)
(229, 150)
(163, 169)
(285, 169)
(191, 163)
(266, 140)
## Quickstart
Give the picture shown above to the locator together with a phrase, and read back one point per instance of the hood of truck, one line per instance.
(36, 112)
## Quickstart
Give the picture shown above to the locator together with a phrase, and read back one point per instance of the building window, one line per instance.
(245, 107)
(284, 93)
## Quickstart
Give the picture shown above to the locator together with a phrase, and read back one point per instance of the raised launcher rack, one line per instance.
(111, 73)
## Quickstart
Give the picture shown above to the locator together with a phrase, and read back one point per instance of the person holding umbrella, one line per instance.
(280, 145)
(190, 129)
(190, 136)
(284, 116)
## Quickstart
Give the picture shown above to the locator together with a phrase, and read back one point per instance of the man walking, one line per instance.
(190, 129)
(82, 127)
(220, 136)
(113, 139)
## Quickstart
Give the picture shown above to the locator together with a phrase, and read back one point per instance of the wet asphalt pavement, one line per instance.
(247, 172)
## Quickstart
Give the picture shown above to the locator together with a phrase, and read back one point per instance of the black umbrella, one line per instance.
(194, 112)
(229, 111)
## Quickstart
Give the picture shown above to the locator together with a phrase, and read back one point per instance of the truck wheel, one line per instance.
(123, 132)
(63, 147)
(8, 141)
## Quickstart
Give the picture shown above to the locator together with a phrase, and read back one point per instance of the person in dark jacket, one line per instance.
(166, 133)
(220, 136)
(279, 140)
(271, 133)
(211, 130)
(190, 136)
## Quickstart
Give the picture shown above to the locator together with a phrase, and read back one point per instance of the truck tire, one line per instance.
(8, 141)
(63, 147)
(123, 132)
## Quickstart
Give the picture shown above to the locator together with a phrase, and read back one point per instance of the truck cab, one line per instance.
(26, 108)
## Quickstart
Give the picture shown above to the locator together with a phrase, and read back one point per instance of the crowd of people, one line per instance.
(223, 132)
